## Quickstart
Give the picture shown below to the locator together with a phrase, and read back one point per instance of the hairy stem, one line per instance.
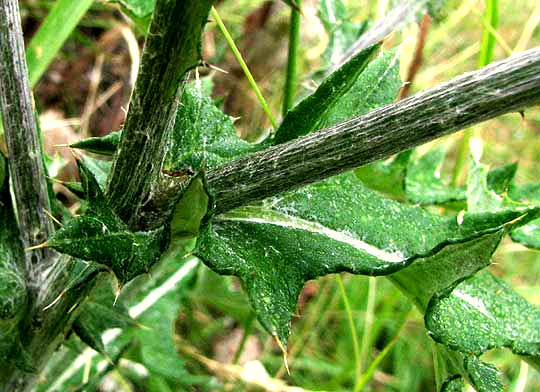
(171, 49)
(21, 135)
(509, 85)
(169, 53)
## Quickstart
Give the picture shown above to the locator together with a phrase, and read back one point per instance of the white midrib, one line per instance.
(292, 222)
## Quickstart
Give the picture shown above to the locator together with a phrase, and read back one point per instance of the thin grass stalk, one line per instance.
(352, 327)
(245, 68)
(370, 371)
(368, 322)
(291, 79)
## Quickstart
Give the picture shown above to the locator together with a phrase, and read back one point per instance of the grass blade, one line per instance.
(291, 76)
(62, 19)
(491, 16)
(244, 67)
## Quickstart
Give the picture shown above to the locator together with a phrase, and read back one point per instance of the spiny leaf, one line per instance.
(203, 135)
(430, 275)
(332, 226)
(75, 188)
(483, 197)
(484, 377)
(81, 272)
(94, 238)
(481, 313)
(423, 183)
(495, 190)
(307, 115)
(529, 234)
(105, 145)
(100, 169)
(376, 86)
(453, 384)
(94, 319)
(101, 236)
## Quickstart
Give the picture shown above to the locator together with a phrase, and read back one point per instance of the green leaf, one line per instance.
(376, 86)
(500, 179)
(191, 209)
(529, 193)
(75, 188)
(105, 145)
(480, 196)
(423, 183)
(494, 190)
(307, 115)
(453, 384)
(481, 313)
(342, 31)
(203, 135)
(332, 226)
(100, 169)
(484, 377)
(51, 35)
(101, 236)
(140, 11)
(81, 273)
(429, 275)
(94, 319)
(139, 8)
(388, 176)
(529, 234)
